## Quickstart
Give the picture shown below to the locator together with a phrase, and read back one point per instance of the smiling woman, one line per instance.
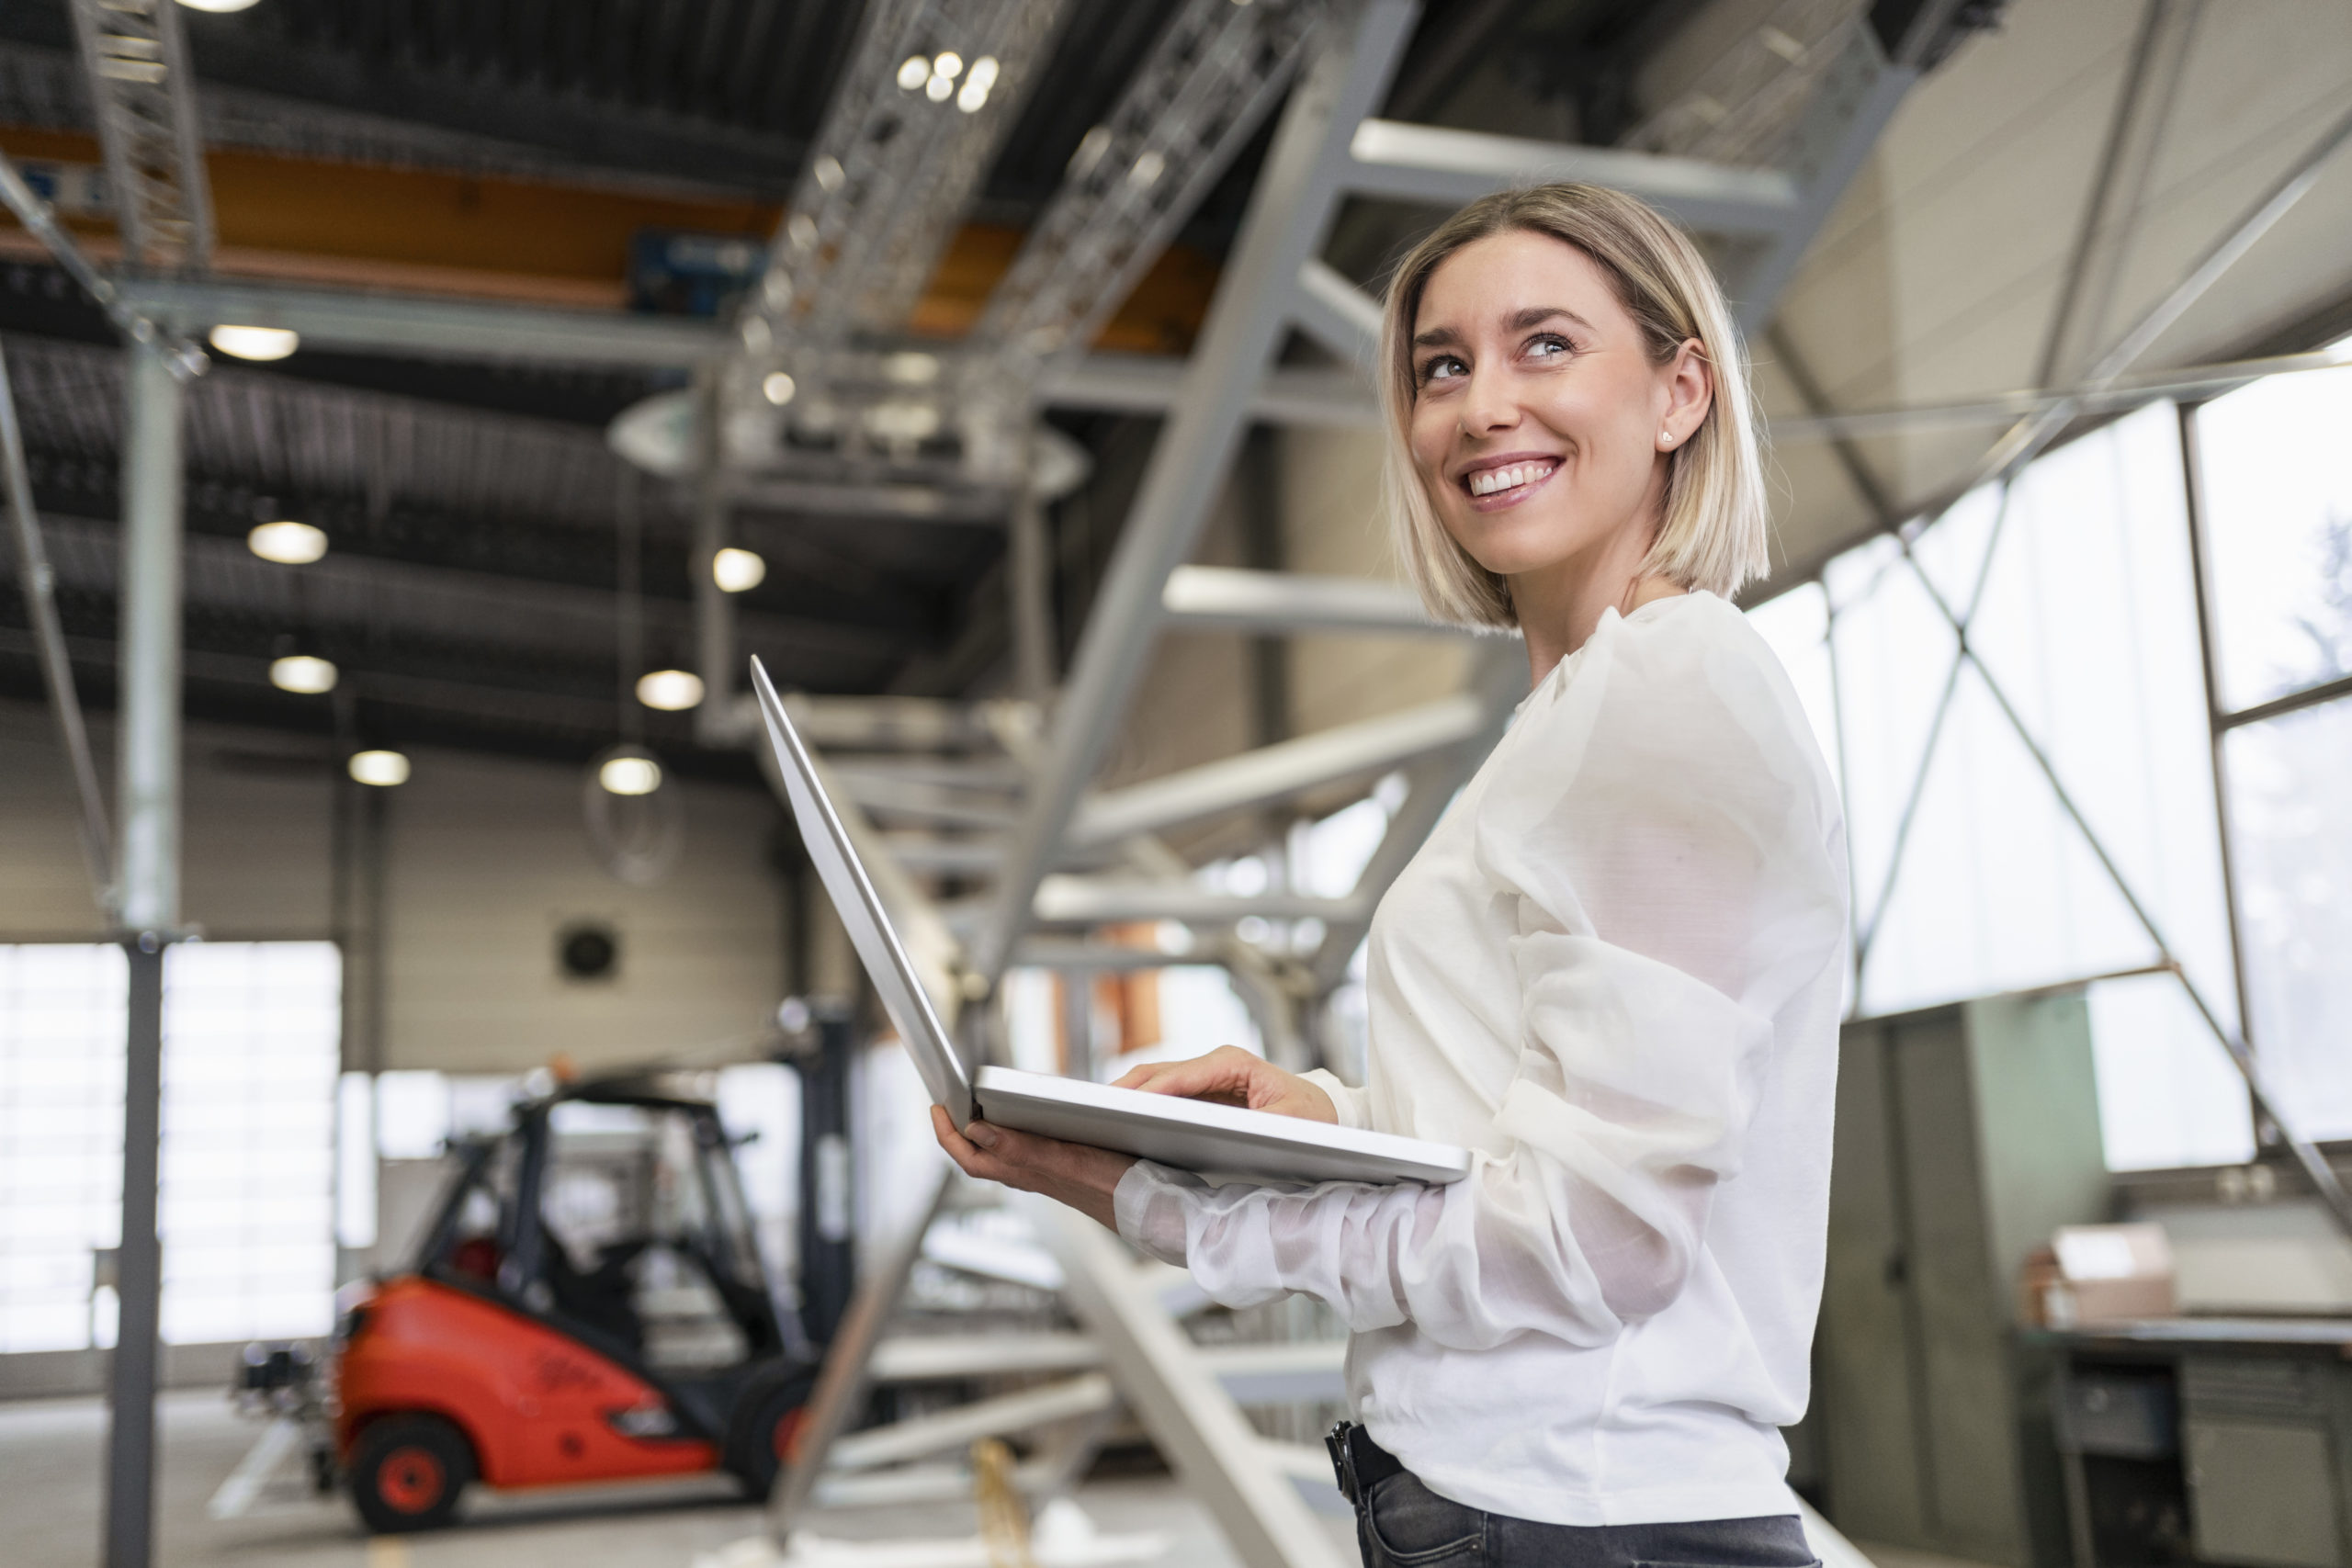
(1613, 970)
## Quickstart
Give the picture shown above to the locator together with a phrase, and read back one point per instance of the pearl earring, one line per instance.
(1666, 438)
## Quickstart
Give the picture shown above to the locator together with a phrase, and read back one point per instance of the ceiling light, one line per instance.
(288, 543)
(937, 88)
(382, 769)
(257, 343)
(220, 6)
(912, 368)
(903, 422)
(304, 674)
(973, 98)
(670, 691)
(829, 171)
(779, 388)
(1146, 172)
(631, 775)
(913, 74)
(735, 572)
(948, 63)
(983, 74)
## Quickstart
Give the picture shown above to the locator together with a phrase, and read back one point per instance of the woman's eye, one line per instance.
(1547, 346)
(1444, 367)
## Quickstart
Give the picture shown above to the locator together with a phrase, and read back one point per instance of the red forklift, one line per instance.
(588, 1304)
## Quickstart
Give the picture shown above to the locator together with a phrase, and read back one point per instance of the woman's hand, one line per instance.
(1074, 1174)
(1230, 1076)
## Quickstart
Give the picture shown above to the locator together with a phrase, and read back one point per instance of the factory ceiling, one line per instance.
(514, 150)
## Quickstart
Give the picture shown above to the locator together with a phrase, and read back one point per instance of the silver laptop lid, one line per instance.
(851, 890)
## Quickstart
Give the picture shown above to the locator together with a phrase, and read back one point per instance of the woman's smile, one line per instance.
(1505, 480)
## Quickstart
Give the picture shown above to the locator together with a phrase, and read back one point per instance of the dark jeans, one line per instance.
(1402, 1524)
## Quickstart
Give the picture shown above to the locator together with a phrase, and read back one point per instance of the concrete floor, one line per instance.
(50, 1458)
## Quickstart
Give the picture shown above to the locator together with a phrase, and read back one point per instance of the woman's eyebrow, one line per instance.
(1434, 336)
(1536, 315)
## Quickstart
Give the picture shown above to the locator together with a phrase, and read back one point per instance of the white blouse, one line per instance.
(1614, 974)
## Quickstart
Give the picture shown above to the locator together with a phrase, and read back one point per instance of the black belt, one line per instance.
(1359, 1462)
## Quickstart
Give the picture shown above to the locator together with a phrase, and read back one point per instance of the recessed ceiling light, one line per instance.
(947, 64)
(912, 368)
(288, 542)
(382, 769)
(630, 775)
(220, 6)
(255, 343)
(670, 691)
(779, 388)
(938, 88)
(303, 673)
(913, 73)
(736, 571)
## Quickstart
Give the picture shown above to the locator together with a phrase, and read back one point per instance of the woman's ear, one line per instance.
(1690, 387)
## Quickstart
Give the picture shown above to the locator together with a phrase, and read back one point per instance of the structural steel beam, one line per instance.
(1082, 901)
(1338, 315)
(1195, 1424)
(1132, 383)
(1851, 106)
(1218, 598)
(429, 327)
(1279, 771)
(1439, 167)
(1289, 210)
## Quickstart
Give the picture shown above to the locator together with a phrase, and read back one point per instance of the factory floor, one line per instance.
(53, 1461)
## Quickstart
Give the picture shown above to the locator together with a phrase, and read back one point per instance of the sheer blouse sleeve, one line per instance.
(1666, 835)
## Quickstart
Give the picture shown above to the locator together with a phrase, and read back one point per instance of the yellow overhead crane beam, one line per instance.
(415, 230)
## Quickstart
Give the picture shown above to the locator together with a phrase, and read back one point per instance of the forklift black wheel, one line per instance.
(407, 1473)
(766, 1419)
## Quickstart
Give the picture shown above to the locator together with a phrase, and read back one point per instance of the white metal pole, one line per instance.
(149, 905)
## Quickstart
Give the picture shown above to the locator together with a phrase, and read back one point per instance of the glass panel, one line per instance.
(2168, 1093)
(1797, 625)
(1894, 651)
(251, 1046)
(1997, 890)
(61, 1027)
(2293, 858)
(1951, 553)
(2090, 625)
(2278, 532)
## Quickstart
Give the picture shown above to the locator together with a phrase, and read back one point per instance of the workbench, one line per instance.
(2205, 1441)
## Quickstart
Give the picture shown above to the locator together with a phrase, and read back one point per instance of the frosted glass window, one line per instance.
(252, 1037)
(2277, 494)
(2167, 1095)
(2292, 841)
(62, 1023)
(251, 1041)
(1796, 624)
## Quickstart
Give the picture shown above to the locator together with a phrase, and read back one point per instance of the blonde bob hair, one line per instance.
(1711, 535)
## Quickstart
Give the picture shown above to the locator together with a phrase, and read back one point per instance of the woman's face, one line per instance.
(1538, 414)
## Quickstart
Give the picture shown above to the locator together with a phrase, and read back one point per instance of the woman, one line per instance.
(1613, 972)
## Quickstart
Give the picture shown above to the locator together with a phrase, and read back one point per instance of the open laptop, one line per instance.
(1191, 1133)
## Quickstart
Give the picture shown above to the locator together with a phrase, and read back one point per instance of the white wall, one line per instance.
(486, 860)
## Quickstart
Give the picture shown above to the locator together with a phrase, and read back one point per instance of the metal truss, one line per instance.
(144, 93)
(1202, 94)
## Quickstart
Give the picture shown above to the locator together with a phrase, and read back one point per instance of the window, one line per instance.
(252, 1035)
(2034, 805)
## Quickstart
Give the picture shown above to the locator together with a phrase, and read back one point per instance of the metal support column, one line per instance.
(828, 1200)
(714, 608)
(150, 812)
(1030, 572)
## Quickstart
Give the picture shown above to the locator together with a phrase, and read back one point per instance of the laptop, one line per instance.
(1192, 1134)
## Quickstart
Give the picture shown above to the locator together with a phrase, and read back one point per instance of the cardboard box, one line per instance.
(2109, 1274)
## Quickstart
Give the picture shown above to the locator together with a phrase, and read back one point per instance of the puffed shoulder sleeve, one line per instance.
(1664, 832)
